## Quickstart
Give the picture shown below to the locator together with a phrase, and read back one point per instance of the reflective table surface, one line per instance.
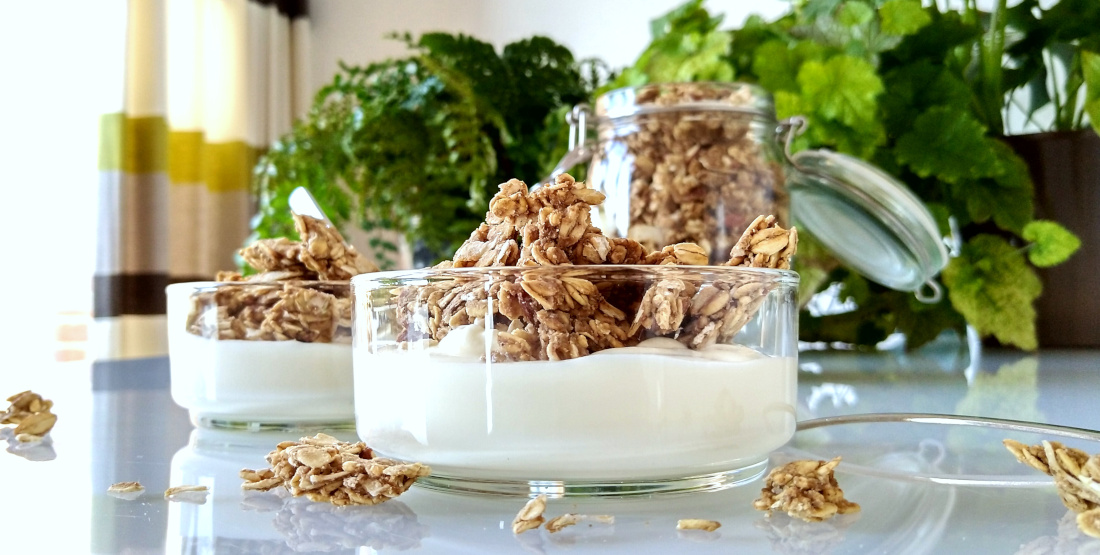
(924, 488)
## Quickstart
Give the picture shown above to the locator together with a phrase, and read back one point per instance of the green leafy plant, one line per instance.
(418, 144)
(921, 92)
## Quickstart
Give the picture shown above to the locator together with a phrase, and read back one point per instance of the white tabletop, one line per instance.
(923, 488)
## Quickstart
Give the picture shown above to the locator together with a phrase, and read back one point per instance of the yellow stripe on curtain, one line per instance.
(133, 144)
(221, 167)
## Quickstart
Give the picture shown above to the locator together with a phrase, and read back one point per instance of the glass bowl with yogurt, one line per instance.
(577, 380)
(262, 355)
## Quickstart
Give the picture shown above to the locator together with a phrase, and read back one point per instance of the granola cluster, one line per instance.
(323, 468)
(275, 304)
(805, 490)
(699, 175)
(556, 305)
(31, 415)
(1075, 473)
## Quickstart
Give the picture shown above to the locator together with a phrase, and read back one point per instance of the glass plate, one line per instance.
(933, 448)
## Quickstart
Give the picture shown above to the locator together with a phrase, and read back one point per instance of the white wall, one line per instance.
(615, 30)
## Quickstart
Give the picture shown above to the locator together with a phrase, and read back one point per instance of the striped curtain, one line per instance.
(208, 84)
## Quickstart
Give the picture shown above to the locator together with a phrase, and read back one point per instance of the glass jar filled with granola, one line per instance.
(697, 162)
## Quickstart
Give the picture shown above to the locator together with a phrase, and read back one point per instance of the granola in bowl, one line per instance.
(271, 349)
(543, 337)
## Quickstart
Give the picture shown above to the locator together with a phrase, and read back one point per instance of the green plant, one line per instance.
(919, 91)
(419, 144)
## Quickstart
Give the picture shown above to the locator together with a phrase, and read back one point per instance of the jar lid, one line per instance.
(869, 220)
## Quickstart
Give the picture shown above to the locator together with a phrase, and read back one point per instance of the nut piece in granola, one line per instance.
(326, 253)
(1076, 477)
(765, 244)
(530, 516)
(697, 524)
(323, 468)
(806, 490)
(126, 490)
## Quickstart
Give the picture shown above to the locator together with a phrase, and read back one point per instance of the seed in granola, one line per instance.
(697, 524)
(530, 516)
(28, 438)
(38, 424)
(805, 489)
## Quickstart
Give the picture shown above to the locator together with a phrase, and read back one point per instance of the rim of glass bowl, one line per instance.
(393, 278)
(213, 284)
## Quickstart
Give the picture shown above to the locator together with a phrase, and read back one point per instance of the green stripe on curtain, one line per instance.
(133, 144)
(222, 167)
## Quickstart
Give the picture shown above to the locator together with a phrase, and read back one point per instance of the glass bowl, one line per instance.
(577, 380)
(262, 355)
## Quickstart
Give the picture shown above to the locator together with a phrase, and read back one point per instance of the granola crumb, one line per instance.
(698, 524)
(806, 490)
(530, 516)
(187, 494)
(558, 523)
(323, 468)
(31, 415)
(126, 490)
(1076, 477)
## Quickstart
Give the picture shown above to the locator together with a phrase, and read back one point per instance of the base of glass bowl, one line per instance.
(598, 488)
(247, 425)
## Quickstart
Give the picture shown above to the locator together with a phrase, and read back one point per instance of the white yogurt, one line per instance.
(276, 382)
(657, 410)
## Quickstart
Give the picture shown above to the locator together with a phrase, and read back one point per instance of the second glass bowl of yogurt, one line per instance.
(577, 380)
(262, 355)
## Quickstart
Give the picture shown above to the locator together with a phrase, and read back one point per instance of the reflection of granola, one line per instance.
(321, 527)
(1075, 473)
(274, 305)
(792, 536)
(573, 310)
(1070, 539)
(323, 468)
(806, 490)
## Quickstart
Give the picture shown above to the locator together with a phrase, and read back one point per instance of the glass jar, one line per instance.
(697, 162)
(685, 379)
(262, 355)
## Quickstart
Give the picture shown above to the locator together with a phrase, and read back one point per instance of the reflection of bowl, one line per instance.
(260, 355)
(485, 374)
(237, 521)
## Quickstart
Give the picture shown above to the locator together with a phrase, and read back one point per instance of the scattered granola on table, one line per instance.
(698, 524)
(187, 494)
(554, 306)
(1076, 476)
(31, 415)
(126, 490)
(806, 490)
(276, 304)
(558, 523)
(530, 516)
(323, 468)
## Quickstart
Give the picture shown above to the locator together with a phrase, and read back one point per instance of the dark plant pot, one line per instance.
(1065, 167)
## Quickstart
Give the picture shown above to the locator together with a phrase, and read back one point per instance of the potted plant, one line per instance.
(920, 92)
(418, 144)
